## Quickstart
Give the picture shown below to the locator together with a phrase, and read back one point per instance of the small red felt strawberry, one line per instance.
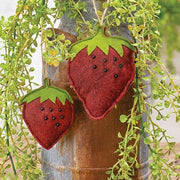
(48, 112)
(101, 71)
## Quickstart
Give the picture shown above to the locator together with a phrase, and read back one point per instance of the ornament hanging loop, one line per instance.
(104, 13)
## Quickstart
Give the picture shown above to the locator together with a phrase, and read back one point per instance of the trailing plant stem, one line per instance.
(165, 91)
(79, 13)
(142, 132)
(7, 141)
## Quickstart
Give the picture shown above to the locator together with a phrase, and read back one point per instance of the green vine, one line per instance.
(7, 142)
(19, 34)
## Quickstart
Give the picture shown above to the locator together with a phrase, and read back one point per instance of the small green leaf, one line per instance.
(123, 118)
(10, 149)
(8, 166)
(147, 140)
(35, 29)
(132, 8)
(108, 172)
(49, 33)
(166, 104)
(117, 22)
(119, 135)
(146, 78)
(27, 61)
(158, 117)
(37, 171)
(137, 165)
(33, 50)
(31, 69)
(61, 37)
(177, 118)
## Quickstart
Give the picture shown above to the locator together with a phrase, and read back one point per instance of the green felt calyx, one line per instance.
(47, 92)
(102, 41)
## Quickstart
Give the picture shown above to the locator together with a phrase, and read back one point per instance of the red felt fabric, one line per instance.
(99, 90)
(47, 132)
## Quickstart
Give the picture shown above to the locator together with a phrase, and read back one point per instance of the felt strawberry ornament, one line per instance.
(101, 71)
(48, 112)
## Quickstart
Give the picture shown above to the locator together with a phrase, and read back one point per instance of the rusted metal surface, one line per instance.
(87, 150)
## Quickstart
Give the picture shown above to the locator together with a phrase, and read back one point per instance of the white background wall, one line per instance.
(8, 7)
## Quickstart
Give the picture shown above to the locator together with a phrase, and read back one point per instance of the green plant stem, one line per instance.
(16, 16)
(7, 127)
(79, 13)
(165, 91)
(153, 107)
(142, 132)
(7, 141)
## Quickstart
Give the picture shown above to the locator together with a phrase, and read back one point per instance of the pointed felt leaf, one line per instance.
(103, 42)
(48, 92)
(91, 48)
(78, 47)
(117, 46)
(104, 47)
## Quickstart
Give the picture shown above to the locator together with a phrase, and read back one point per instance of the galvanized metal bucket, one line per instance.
(87, 150)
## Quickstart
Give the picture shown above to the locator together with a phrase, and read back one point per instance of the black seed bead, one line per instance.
(62, 116)
(105, 70)
(42, 109)
(93, 56)
(50, 109)
(94, 67)
(120, 66)
(59, 109)
(105, 60)
(115, 75)
(115, 58)
(45, 118)
(53, 117)
(57, 124)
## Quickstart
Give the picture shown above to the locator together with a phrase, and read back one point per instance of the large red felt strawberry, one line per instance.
(101, 71)
(48, 112)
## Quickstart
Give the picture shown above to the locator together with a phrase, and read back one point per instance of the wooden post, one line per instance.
(87, 150)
